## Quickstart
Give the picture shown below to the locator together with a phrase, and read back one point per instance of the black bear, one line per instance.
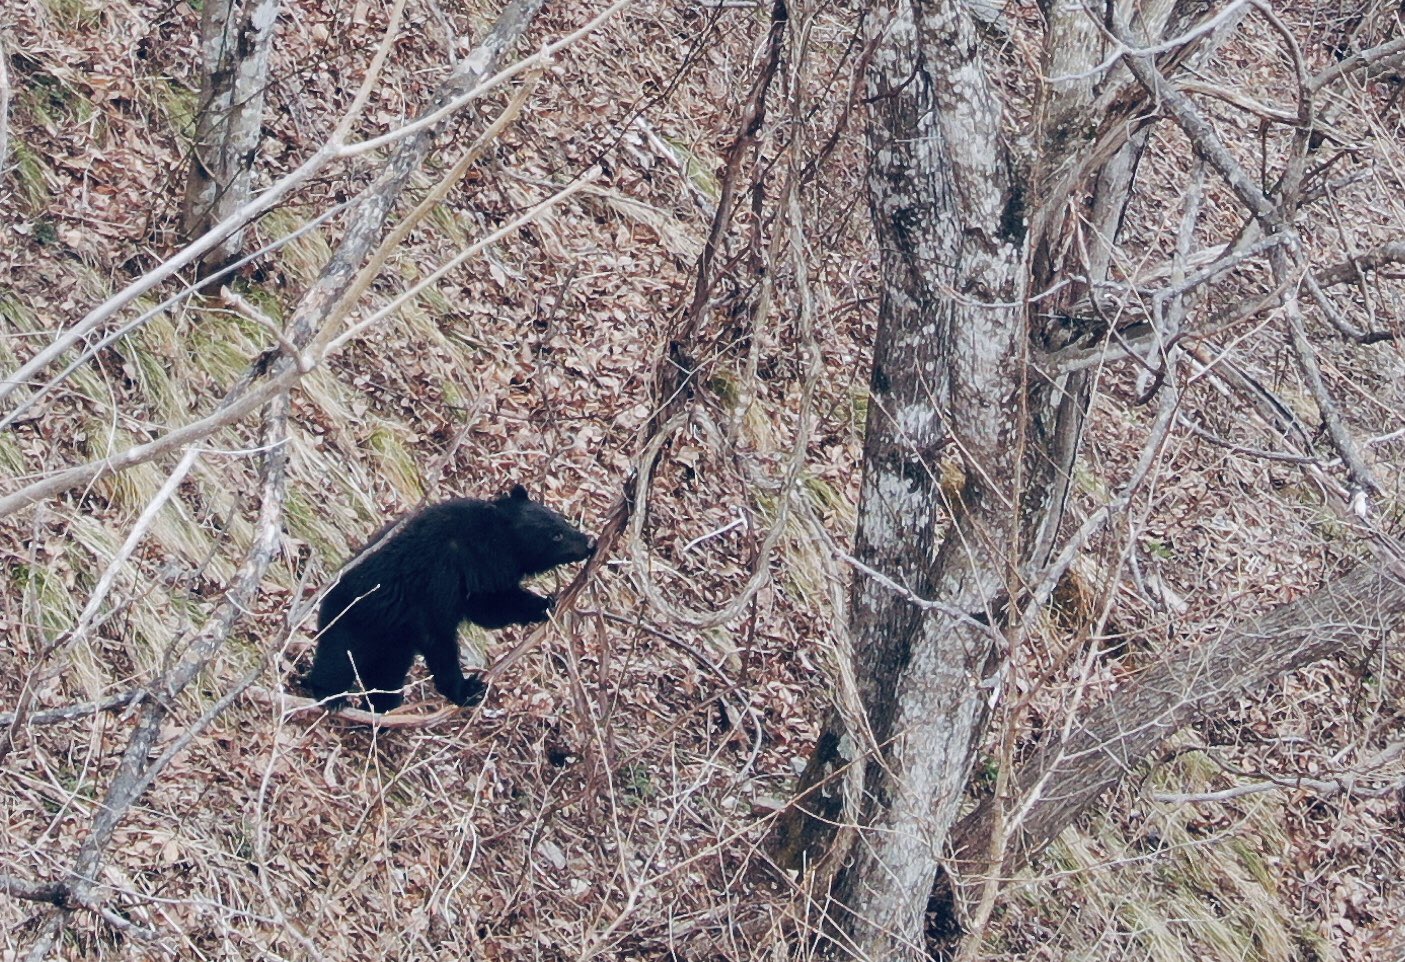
(452, 562)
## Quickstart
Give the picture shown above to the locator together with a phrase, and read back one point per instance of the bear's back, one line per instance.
(448, 549)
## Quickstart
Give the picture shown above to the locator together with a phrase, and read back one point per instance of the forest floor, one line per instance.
(611, 797)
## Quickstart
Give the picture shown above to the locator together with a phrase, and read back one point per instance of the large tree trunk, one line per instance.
(941, 460)
(965, 445)
(236, 37)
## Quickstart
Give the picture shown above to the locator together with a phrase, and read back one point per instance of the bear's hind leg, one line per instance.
(346, 665)
(381, 676)
(331, 677)
(384, 701)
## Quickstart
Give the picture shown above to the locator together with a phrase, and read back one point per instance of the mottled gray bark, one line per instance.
(236, 37)
(941, 453)
(4, 114)
(968, 454)
(1091, 130)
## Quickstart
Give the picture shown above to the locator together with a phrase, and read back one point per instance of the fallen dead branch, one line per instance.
(1347, 615)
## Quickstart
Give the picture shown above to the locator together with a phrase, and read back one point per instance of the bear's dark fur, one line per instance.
(452, 562)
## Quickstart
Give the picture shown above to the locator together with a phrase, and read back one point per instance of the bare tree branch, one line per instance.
(61, 896)
(1273, 221)
(1355, 268)
(4, 112)
(54, 716)
(1389, 56)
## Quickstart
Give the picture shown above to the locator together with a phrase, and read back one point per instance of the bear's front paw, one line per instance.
(544, 608)
(468, 692)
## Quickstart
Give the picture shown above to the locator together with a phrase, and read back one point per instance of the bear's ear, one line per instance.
(518, 493)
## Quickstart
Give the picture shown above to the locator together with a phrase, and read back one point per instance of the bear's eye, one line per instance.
(557, 537)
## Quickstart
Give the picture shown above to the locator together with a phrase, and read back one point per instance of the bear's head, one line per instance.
(542, 537)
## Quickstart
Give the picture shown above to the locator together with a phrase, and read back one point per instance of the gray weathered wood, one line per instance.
(1348, 614)
(236, 38)
(940, 458)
